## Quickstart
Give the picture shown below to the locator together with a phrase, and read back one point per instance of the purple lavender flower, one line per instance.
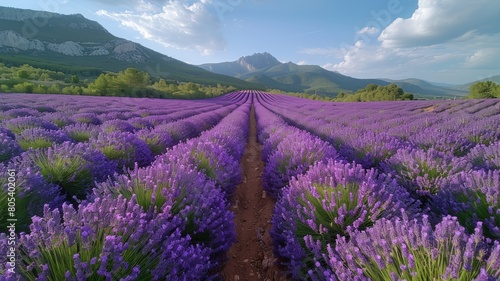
(87, 118)
(156, 120)
(117, 125)
(293, 156)
(8, 146)
(441, 139)
(19, 124)
(485, 157)
(109, 238)
(424, 172)
(230, 138)
(40, 138)
(45, 109)
(20, 112)
(157, 140)
(81, 132)
(74, 167)
(124, 148)
(60, 119)
(32, 192)
(329, 201)
(408, 249)
(179, 130)
(208, 158)
(140, 123)
(187, 193)
(473, 197)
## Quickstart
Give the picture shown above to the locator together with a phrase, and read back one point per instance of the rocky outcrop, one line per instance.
(68, 48)
(9, 38)
(11, 41)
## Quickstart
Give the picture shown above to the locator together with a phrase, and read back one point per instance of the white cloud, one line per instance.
(368, 30)
(177, 24)
(457, 61)
(453, 41)
(437, 21)
(302, 62)
(484, 58)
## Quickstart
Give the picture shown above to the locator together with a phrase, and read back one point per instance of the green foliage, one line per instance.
(24, 87)
(37, 143)
(71, 173)
(130, 82)
(74, 79)
(484, 90)
(374, 92)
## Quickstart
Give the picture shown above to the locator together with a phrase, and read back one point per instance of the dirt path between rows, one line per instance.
(251, 256)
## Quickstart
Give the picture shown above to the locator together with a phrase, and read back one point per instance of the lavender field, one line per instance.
(105, 188)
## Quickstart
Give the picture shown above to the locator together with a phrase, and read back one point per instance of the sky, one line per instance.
(445, 41)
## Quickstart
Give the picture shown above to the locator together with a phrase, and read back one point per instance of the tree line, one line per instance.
(373, 92)
(130, 82)
(484, 90)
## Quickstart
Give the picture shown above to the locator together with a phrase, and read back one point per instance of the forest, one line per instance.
(127, 83)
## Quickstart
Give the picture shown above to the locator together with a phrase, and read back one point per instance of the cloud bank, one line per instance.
(176, 23)
(460, 35)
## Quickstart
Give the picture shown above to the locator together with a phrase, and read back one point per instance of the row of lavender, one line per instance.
(339, 220)
(166, 221)
(62, 162)
(459, 160)
(36, 121)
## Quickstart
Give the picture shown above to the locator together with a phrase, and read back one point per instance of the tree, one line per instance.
(484, 90)
(25, 87)
(41, 89)
(23, 74)
(374, 92)
(134, 78)
(102, 85)
(74, 79)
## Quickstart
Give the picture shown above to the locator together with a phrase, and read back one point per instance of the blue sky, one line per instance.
(448, 41)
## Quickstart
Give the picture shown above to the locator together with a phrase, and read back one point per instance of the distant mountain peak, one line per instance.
(258, 61)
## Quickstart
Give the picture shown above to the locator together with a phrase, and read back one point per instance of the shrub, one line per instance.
(330, 201)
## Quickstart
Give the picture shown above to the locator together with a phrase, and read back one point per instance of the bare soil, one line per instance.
(251, 256)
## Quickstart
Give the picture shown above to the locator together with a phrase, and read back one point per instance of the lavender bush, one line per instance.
(124, 148)
(87, 118)
(473, 197)
(330, 201)
(110, 238)
(293, 156)
(190, 195)
(81, 132)
(424, 172)
(210, 159)
(485, 157)
(117, 125)
(73, 167)
(404, 249)
(157, 140)
(41, 138)
(8, 146)
(32, 192)
(19, 124)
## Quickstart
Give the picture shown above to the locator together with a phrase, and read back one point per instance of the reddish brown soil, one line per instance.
(251, 256)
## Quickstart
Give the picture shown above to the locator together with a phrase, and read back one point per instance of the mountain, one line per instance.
(264, 69)
(74, 44)
(421, 87)
(243, 65)
(465, 87)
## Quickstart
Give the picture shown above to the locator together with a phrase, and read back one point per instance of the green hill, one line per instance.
(74, 44)
(266, 70)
